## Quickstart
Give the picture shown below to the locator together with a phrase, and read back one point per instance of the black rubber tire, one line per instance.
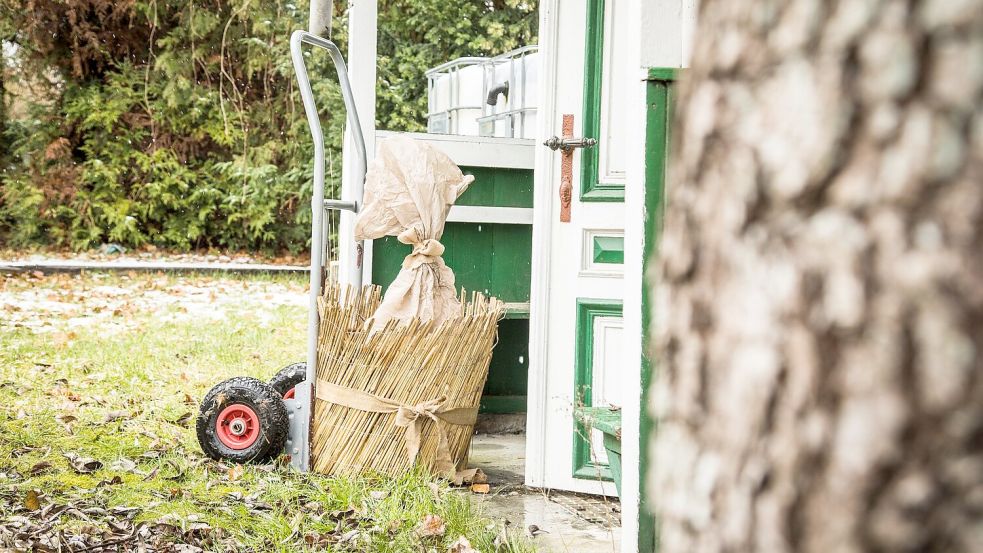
(289, 377)
(263, 400)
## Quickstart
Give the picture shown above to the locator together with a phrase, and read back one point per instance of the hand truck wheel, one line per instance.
(288, 378)
(242, 420)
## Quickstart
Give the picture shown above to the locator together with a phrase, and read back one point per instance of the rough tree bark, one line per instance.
(820, 292)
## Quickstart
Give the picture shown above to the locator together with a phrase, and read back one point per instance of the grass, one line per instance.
(128, 399)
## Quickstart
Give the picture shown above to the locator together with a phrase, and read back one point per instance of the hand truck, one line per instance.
(244, 419)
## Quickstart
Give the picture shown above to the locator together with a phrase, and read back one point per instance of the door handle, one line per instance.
(556, 143)
(566, 145)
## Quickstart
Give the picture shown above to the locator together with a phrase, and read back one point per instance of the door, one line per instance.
(577, 329)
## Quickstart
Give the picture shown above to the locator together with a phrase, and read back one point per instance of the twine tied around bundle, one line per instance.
(425, 250)
(409, 417)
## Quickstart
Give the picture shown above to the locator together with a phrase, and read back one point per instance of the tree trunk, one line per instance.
(820, 293)
(3, 104)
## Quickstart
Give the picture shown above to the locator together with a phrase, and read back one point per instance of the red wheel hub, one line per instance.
(289, 394)
(237, 427)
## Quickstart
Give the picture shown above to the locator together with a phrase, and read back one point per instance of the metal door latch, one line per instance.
(566, 144)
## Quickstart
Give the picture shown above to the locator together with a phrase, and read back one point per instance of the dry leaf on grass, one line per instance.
(39, 468)
(115, 415)
(123, 464)
(462, 545)
(83, 465)
(431, 526)
(183, 420)
(348, 536)
(236, 472)
(114, 481)
(33, 500)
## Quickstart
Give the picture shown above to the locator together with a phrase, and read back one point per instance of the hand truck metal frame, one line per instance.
(300, 408)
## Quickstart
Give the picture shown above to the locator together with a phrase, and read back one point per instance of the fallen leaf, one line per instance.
(470, 476)
(39, 468)
(83, 465)
(394, 526)
(348, 536)
(115, 480)
(128, 512)
(116, 415)
(462, 545)
(236, 472)
(123, 464)
(178, 471)
(182, 420)
(432, 525)
(32, 501)
(480, 488)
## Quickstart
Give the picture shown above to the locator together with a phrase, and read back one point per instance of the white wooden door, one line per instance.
(577, 330)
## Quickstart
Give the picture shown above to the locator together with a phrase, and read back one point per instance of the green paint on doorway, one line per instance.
(609, 250)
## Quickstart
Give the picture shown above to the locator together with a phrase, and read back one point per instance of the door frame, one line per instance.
(544, 206)
(545, 212)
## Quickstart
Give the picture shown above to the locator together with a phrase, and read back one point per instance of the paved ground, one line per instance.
(570, 522)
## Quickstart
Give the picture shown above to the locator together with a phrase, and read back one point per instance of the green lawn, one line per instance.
(97, 407)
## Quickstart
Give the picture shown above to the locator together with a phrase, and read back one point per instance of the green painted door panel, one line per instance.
(492, 259)
(498, 187)
(505, 390)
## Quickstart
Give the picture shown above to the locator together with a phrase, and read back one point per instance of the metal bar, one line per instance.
(341, 205)
(298, 444)
(458, 61)
(319, 17)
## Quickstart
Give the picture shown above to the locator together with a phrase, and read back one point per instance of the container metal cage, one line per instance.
(476, 96)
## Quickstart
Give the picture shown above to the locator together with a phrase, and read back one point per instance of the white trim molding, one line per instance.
(482, 214)
(479, 151)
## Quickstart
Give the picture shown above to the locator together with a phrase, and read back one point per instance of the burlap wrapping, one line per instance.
(410, 187)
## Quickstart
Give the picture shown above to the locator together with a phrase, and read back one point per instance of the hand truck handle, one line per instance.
(298, 38)
(299, 435)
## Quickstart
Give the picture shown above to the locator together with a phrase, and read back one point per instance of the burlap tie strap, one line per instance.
(425, 250)
(410, 417)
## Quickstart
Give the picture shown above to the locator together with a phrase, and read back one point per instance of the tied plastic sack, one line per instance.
(410, 187)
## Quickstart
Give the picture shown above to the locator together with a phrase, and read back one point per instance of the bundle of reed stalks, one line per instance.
(411, 364)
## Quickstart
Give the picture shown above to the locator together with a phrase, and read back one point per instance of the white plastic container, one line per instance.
(460, 90)
(454, 100)
(514, 115)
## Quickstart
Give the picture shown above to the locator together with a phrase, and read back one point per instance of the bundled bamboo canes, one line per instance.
(407, 363)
